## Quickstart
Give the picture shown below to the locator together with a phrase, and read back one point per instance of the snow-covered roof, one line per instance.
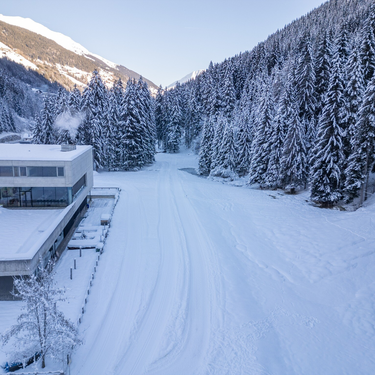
(22, 232)
(33, 152)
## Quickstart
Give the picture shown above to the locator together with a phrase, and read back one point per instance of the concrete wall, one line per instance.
(73, 171)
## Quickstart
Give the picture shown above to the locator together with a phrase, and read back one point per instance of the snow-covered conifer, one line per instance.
(328, 149)
(293, 164)
(259, 149)
(361, 159)
(205, 152)
(45, 132)
(41, 327)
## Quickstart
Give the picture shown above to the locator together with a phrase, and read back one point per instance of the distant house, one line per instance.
(43, 190)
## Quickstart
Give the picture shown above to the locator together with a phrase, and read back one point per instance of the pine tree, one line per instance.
(44, 132)
(276, 143)
(174, 130)
(305, 87)
(259, 150)
(293, 165)
(159, 109)
(367, 46)
(95, 103)
(328, 150)
(131, 138)
(228, 95)
(115, 127)
(322, 71)
(354, 92)
(243, 143)
(205, 152)
(361, 159)
(75, 101)
(227, 156)
(60, 102)
(147, 121)
(217, 141)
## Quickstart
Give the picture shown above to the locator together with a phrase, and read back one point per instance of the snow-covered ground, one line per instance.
(200, 277)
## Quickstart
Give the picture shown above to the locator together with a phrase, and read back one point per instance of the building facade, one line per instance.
(40, 177)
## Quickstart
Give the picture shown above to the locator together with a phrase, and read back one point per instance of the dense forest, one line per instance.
(119, 123)
(19, 103)
(297, 111)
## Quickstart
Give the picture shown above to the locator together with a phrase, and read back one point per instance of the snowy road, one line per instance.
(204, 278)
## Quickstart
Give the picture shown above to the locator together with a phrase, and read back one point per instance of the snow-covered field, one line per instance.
(200, 277)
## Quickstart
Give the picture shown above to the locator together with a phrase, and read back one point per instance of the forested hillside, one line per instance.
(119, 123)
(297, 111)
(19, 103)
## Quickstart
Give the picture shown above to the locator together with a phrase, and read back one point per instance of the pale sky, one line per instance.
(163, 40)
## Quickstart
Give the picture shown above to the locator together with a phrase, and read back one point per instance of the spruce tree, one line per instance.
(293, 164)
(205, 152)
(174, 130)
(361, 159)
(305, 87)
(243, 143)
(328, 150)
(131, 138)
(367, 46)
(44, 132)
(217, 141)
(259, 150)
(227, 157)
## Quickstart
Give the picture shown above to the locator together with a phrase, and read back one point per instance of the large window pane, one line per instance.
(78, 185)
(37, 193)
(9, 197)
(22, 171)
(49, 172)
(35, 171)
(62, 196)
(6, 171)
(60, 172)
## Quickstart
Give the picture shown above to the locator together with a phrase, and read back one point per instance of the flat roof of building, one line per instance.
(23, 231)
(32, 152)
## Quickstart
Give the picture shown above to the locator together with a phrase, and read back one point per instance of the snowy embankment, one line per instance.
(200, 277)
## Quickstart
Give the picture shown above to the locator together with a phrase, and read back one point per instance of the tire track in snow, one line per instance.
(153, 316)
(191, 353)
(146, 341)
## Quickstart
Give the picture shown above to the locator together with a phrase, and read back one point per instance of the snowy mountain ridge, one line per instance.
(188, 77)
(59, 57)
(61, 39)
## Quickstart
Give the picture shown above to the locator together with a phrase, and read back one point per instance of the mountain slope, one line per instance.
(55, 55)
(188, 77)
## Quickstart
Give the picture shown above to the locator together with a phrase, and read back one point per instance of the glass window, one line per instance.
(16, 171)
(35, 171)
(37, 193)
(49, 172)
(62, 194)
(60, 171)
(6, 171)
(79, 185)
(9, 197)
(22, 171)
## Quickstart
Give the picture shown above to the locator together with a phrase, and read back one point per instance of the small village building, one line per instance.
(43, 191)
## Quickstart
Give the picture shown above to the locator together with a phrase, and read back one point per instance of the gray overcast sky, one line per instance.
(163, 40)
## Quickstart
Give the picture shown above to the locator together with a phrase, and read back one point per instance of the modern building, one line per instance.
(43, 190)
